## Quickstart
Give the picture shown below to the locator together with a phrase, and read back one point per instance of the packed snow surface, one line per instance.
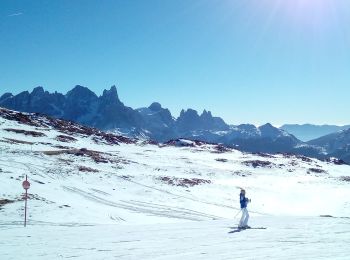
(90, 199)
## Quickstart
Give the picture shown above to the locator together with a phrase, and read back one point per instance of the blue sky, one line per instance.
(256, 61)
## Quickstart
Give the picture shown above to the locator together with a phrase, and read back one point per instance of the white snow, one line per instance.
(285, 238)
(130, 210)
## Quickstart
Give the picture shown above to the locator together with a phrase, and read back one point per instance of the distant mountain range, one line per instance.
(107, 112)
(307, 132)
(335, 144)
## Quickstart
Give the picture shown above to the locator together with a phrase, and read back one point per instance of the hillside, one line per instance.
(335, 144)
(113, 196)
(308, 132)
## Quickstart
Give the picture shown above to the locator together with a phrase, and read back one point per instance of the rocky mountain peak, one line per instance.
(80, 92)
(111, 96)
(155, 106)
(247, 127)
(206, 114)
(112, 92)
(189, 113)
(269, 130)
(38, 91)
(5, 96)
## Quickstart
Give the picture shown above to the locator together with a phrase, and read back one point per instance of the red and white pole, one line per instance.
(26, 186)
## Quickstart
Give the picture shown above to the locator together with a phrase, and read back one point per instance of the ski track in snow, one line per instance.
(147, 208)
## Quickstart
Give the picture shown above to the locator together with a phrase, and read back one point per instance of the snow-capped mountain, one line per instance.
(308, 132)
(97, 195)
(159, 122)
(107, 112)
(336, 144)
(265, 138)
(189, 120)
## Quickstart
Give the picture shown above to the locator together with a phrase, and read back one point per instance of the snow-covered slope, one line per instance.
(129, 198)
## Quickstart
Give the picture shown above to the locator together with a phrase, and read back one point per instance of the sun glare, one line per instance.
(308, 10)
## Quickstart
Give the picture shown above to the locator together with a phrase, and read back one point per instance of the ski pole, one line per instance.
(237, 213)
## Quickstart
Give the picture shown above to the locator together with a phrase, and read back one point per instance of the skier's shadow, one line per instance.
(235, 231)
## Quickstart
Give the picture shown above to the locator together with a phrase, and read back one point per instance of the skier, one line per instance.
(243, 223)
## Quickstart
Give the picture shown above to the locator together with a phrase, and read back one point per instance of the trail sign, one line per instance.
(26, 185)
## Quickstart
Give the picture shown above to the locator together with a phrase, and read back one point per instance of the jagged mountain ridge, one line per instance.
(335, 144)
(107, 112)
(79, 104)
(308, 132)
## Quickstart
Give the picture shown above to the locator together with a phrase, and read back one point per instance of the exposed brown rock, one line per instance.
(10, 140)
(183, 182)
(87, 169)
(316, 170)
(20, 131)
(65, 138)
(258, 163)
(345, 178)
(98, 157)
(5, 201)
(221, 160)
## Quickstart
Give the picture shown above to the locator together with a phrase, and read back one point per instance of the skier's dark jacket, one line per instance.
(243, 200)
